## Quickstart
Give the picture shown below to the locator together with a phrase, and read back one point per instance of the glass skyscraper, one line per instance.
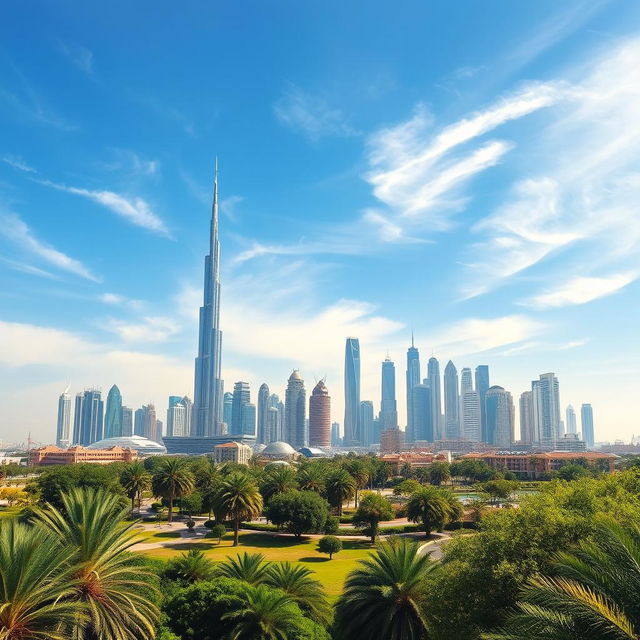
(482, 386)
(352, 434)
(88, 418)
(413, 379)
(264, 404)
(295, 411)
(388, 404)
(366, 422)
(451, 402)
(433, 375)
(113, 414)
(64, 419)
(241, 397)
(422, 413)
(586, 416)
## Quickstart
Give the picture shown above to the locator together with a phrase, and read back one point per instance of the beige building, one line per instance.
(232, 452)
(50, 455)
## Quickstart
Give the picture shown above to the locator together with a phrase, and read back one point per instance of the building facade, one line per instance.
(89, 417)
(451, 402)
(63, 425)
(295, 411)
(586, 416)
(433, 375)
(412, 380)
(500, 417)
(482, 386)
(127, 421)
(422, 413)
(366, 423)
(232, 452)
(471, 416)
(388, 403)
(113, 413)
(50, 455)
(320, 416)
(571, 423)
(352, 436)
(526, 418)
(263, 435)
(241, 398)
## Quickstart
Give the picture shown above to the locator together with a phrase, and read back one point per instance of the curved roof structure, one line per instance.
(295, 375)
(279, 449)
(143, 446)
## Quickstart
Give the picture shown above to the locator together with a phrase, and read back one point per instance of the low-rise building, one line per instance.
(232, 452)
(415, 459)
(51, 455)
(391, 441)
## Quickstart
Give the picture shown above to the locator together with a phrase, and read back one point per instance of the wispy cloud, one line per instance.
(79, 56)
(310, 115)
(18, 163)
(132, 162)
(27, 268)
(19, 233)
(150, 329)
(228, 207)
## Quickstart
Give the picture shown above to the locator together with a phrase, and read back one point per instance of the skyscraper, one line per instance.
(179, 416)
(422, 412)
(335, 434)
(207, 410)
(546, 405)
(146, 424)
(451, 402)
(366, 422)
(466, 381)
(388, 404)
(264, 404)
(433, 374)
(88, 418)
(127, 421)
(413, 379)
(277, 428)
(295, 411)
(572, 426)
(320, 416)
(352, 435)
(500, 414)
(249, 419)
(227, 410)
(241, 397)
(113, 414)
(586, 418)
(471, 425)
(64, 419)
(526, 418)
(482, 386)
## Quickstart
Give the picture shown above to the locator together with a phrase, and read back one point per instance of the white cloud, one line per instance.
(19, 233)
(132, 162)
(151, 329)
(79, 56)
(580, 290)
(229, 205)
(310, 115)
(18, 163)
(112, 298)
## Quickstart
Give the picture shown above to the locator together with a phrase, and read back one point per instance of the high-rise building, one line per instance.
(158, 432)
(433, 374)
(320, 416)
(482, 386)
(295, 411)
(249, 419)
(471, 418)
(526, 418)
(546, 409)
(278, 426)
(227, 411)
(335, 434)
(241, 397)
(173, 400)
(466, 381)
(127, 421)
(264, 404)
(113, 413)
(207, 409)
(500, 417)
(179, 416)
(352, 435)
(586, 418)
(572, 426)
(89, 417)
(274, 423)
(413, 379)
(145, 423)
(64, 419)
(366, 422)
(422, 412)
(388, 404)
(451, 402)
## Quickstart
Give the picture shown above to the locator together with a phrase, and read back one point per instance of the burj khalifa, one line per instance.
(208, 388)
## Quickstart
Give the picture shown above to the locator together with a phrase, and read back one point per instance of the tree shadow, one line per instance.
(313, 559)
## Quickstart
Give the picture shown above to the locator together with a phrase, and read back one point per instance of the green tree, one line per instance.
(192, 504)
(248, 567)
(115, 587)
(590, 593)
(238, 498)
(499, 488)
(36, 585)
(439, 473)
(406, 487)
(190, 567)
(340, 487)
(135, 479)
(311, 477)
(276, 480)
(297, 583)
(299, 511)
(359, 471)
(172, 479)
(570, 472)
(430, 507)
(373, 510)
(218, 531)
(330, 545)
(384, 598)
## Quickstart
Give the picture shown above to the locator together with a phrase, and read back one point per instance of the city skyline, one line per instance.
(393, 202)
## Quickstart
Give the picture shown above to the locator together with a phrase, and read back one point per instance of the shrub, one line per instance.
(299, 511)
(330, 545)
(217, 531)
(209, 524)
(331, 525)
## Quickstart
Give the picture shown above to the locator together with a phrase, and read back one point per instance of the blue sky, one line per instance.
(466, 169)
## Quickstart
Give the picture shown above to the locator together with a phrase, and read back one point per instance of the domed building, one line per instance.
(143, 446)
(278, 451)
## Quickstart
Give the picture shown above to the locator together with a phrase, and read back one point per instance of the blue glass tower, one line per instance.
(413, 379)
(113, 415)
(352, 434)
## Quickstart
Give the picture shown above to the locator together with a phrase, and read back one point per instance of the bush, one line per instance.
(331, 525)
(156, 506)
(345, 519)
(209, 524)
(217, 531)
(330, 545)
(258, 526)
(299, 511)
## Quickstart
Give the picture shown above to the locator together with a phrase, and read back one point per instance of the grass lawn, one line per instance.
(331, 573)
(148, 535)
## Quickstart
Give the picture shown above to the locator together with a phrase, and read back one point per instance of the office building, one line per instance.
(500, 417)
(391, 441)
(433, 375)
(335, 434)
(89, 417)
(232, 452)
(113, 413)
(586, 417)
(208, 385)
(241, 397)
(277, 422)
(127, 421)
(526, 418)
(413, 379)
(451, 402)
(264, 404)
(482, 386)
(366, 422)
(145, 423)
(295, 411)
(422, 413)
(352, 436)
(571, 423)
(227, 409)
(546, 400)
(64, 419)
(320, 416)
(249, 419)
(471, 415)
(388, 405)
(466, 381)
(179, 416)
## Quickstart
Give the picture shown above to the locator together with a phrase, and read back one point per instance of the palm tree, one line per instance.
(373, 509)
(296, 582)
(238, 498)
(114, 585)
(358, 471)
(36, 585)
(311, 477)
(191, 567)
(384, 598)
(207, 481)
(267, 614)
(135, 479)
(278, 480)
(429, 506)
(591, 593)
(172, 479)
(340, 487)
(248, 567)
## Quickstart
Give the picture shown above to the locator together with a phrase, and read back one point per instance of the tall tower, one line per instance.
(264, 404)
(500, 414)
(388, 405)
(320, 416)
(352, 435)
(526, 418)
(241, 398)
(366, 422)
(207, 409)
(572, 426)
(64, 419)
(586, 415)
(546, 399)
(89, 417)
(422, 412)
(482, 386)
(433, 374)
(451, 402)
(413, 379)
(113, 414)
(295, 398)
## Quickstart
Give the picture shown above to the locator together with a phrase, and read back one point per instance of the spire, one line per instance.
(214, 211)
